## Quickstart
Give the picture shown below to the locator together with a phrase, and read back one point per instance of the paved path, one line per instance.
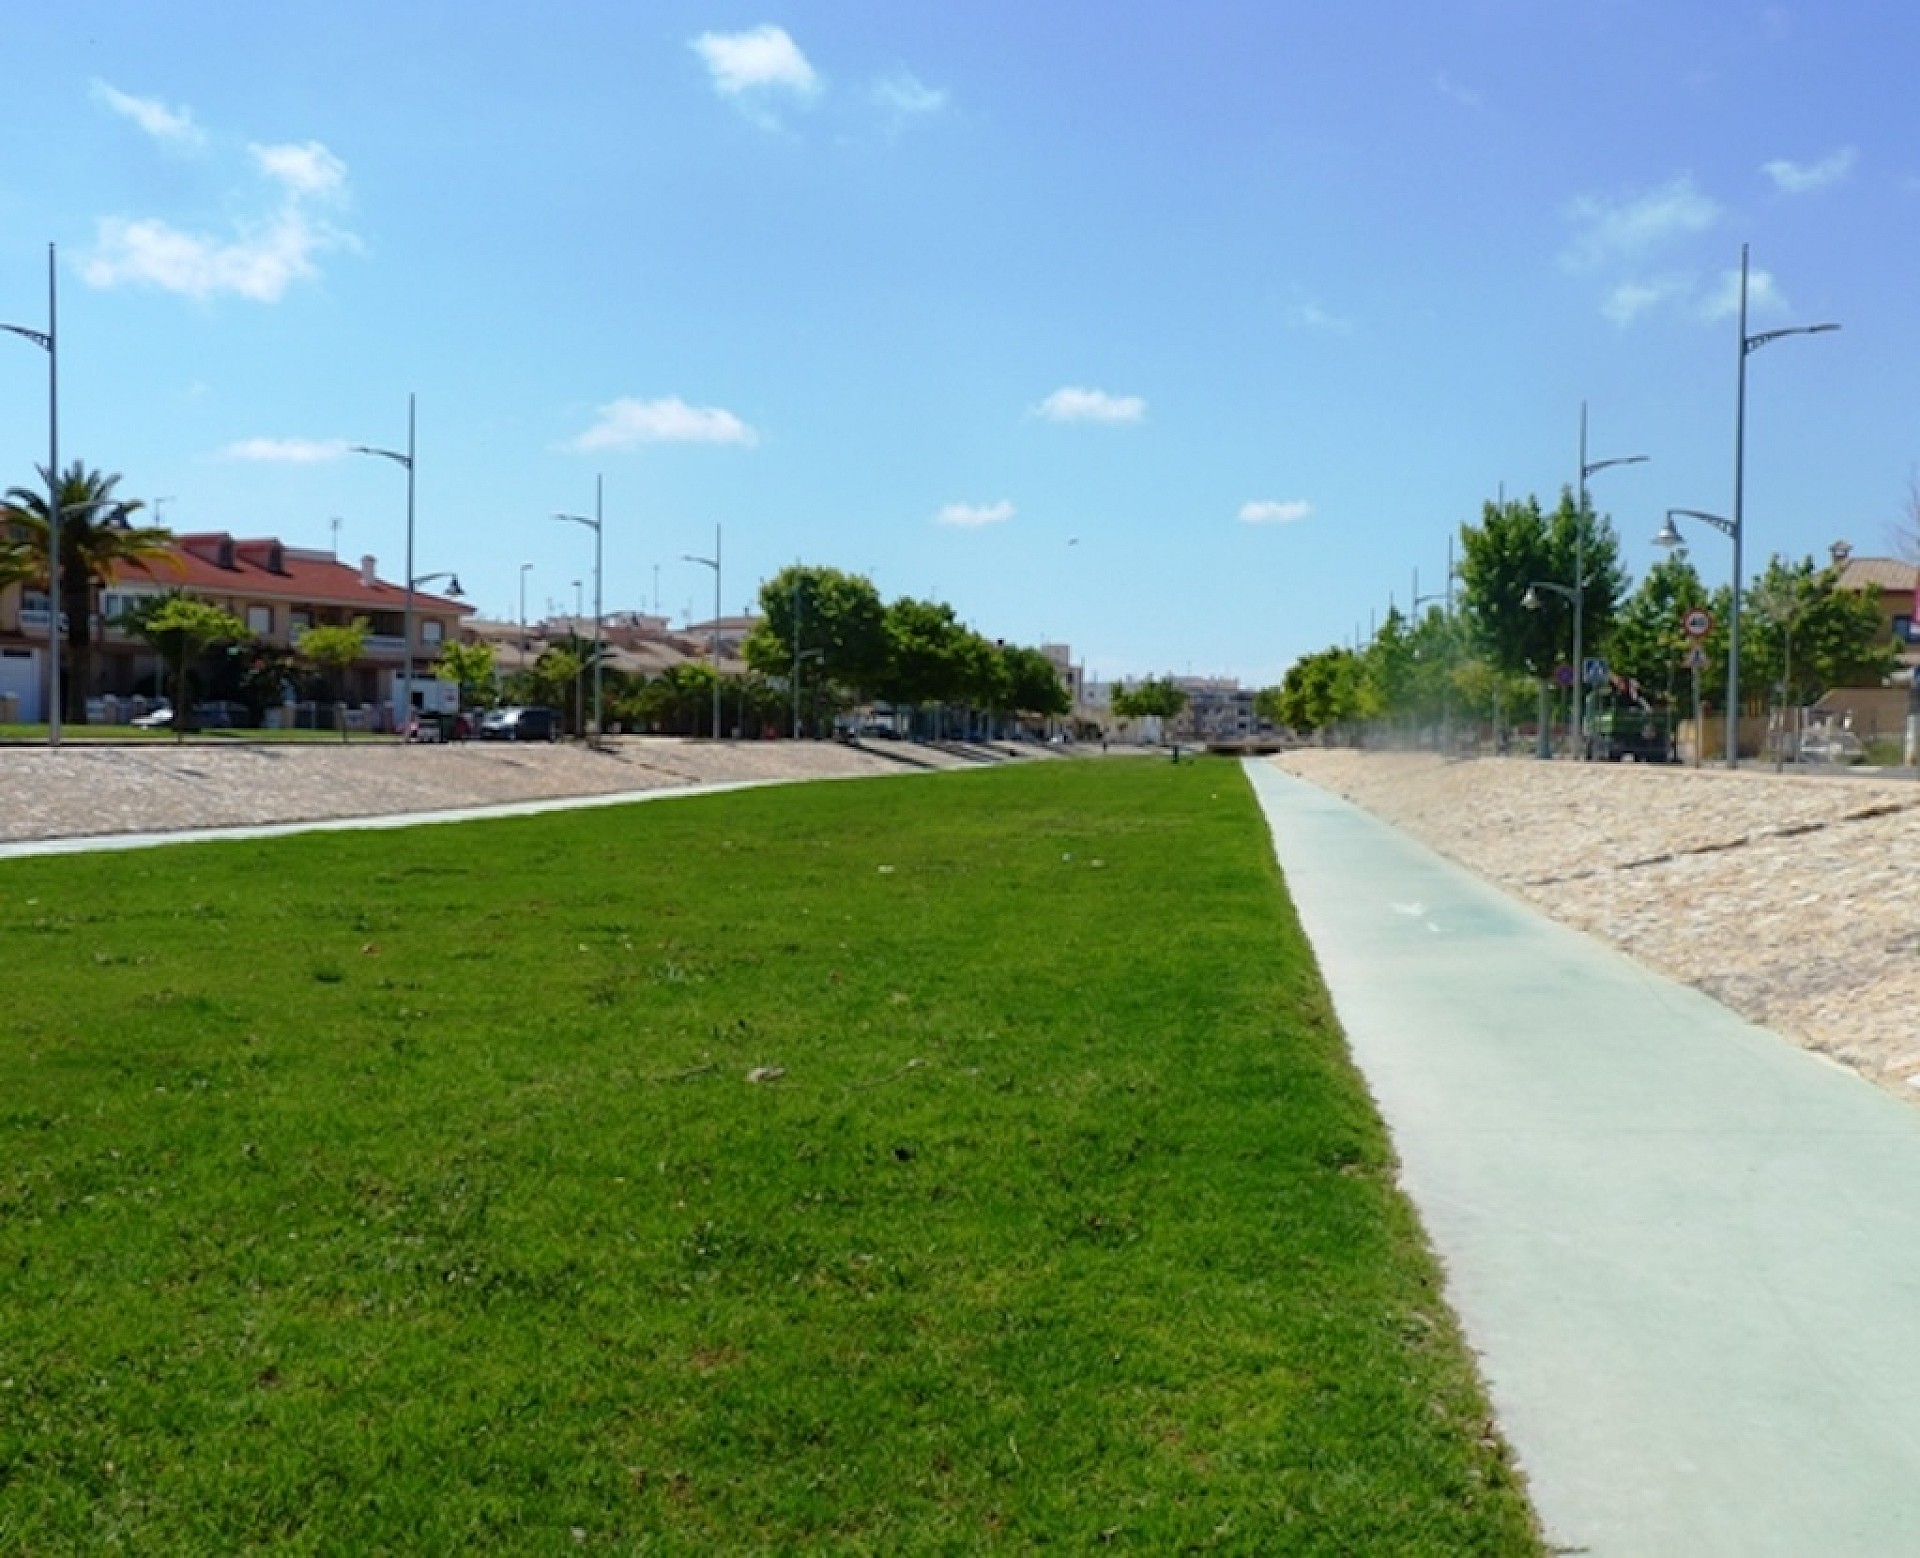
(1687, 1252)
(90, 843)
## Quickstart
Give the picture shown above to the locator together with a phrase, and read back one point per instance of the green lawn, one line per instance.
(410, 1192)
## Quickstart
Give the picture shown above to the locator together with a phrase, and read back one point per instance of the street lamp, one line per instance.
(713, 635)
(594, 525)
(1748, 345)
(1671, 538)
(403, 705)
(454, 592)
(525, 568)
(1587, 468)
(1532, 602)
(47, 341)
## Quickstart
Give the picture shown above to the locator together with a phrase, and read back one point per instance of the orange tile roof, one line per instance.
(308, 577)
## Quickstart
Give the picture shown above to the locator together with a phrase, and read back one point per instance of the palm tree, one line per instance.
(95, 539)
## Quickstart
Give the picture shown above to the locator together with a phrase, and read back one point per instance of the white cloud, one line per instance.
(174, 126)
(1793, 178)
(258, 265)
(259, 260)
(1091, 405)
(1630, 299)
(626, 423)
(1465, 96)
(1633, 228)
(1311, 316)
(309, 170)
(906, 94)
(1269, 511)
(1763, 296)
(972, 516)
(760, 58)
(286, 451)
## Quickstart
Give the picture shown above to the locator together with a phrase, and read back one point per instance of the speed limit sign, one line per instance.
(1697, 623)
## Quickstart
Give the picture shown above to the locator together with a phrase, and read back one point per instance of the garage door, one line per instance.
(20, 676)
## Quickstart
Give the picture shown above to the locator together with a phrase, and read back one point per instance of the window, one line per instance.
(260, 620)
(431, 631)
(298, 622)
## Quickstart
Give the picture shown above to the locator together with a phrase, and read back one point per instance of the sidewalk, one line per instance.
(1687, 1252)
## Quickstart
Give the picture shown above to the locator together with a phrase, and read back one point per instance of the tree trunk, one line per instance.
(76, 601)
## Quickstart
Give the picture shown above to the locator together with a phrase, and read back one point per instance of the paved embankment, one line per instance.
(83, 789)
(1790, 898)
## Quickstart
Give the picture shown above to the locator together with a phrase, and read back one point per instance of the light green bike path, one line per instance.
(1687, 1253)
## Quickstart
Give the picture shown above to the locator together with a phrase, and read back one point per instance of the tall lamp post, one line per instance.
(48, 341)
(594, 525)
(1587, 468)
(713, 635)
(525, 569)
(454, 592)
(1531, 600)
(403, 704)
(1417, 601)
(1670, 536)
(1748, 345)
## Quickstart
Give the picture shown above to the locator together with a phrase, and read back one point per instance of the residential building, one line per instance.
(278, 591)
(1879, 711)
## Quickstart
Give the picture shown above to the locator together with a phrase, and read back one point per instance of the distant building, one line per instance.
(278, 591)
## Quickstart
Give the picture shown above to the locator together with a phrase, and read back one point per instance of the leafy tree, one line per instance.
(1033, 684)
(1154, 698)
(932, 657)
(1386, 687)
(831, 623)
(179, 629)
(1321, 692)
(471, 667)
(17, 565)
(333, 650)
(1649, 643)
(1808, 634)
(1514, 546)
(1437, 649)
(1508, 550)
(556, 678)
(95, 540)
(257, 673)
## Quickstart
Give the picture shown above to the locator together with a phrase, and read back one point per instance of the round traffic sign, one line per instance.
(1698, 623)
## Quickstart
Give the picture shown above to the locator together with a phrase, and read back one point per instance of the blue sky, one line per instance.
(1182, 334)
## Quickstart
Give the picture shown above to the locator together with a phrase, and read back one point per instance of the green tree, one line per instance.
(558, 677)
(1154, 698)
(932, 657)
(258, 673)
(1649, 644)
(471, 668)
(1033, 684)
(1387, 665)
(1508, 550)
(179, 629)
(1321, 692)
(1807, 634)
(332, 650)
(825, 628)
(95, 541)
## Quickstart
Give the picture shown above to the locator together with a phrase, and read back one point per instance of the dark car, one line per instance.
(528, 724)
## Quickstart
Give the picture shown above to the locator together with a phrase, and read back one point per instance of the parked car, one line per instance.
(154, 719)
(1826, 745)
(521, 724)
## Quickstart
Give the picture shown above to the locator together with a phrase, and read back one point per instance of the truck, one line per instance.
(1623, 725)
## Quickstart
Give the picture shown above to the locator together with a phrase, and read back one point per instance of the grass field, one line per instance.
(414, 1192)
